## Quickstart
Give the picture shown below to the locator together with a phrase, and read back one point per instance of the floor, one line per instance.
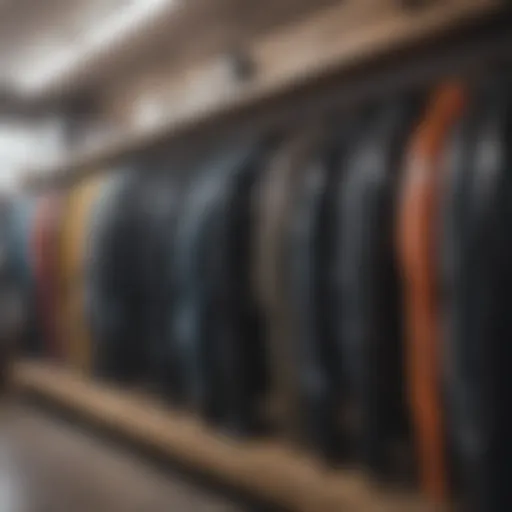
(47, 465)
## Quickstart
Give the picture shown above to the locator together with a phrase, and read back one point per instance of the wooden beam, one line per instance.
(263, 468)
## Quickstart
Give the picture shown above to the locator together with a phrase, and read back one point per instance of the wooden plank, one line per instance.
(336, 38)
(263, 468)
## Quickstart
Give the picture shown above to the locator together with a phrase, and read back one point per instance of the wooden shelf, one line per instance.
(264, 469)
(336, 40)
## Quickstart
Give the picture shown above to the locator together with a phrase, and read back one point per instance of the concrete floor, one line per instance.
(47, 465)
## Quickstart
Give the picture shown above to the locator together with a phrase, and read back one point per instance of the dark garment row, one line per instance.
(344, 286)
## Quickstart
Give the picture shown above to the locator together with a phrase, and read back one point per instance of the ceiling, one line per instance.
(38, 40)
(51, 47)
(53, 50)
